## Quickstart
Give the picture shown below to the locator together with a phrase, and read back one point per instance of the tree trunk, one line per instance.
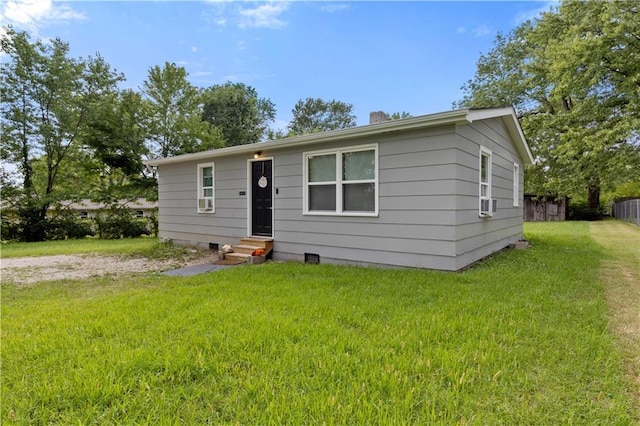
(594, 196)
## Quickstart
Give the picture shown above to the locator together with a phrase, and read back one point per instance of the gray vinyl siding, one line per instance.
(428, 201)
(179, 219)
(478, 237)
(415, 226)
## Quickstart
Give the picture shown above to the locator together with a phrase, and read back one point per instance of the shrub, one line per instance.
(64, 226)
(67, 225)
(580, 210)
(121, 224)
(10, 229)
(152, 224)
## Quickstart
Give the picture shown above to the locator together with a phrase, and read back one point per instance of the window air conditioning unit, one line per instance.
(205, 204)
(488, 206)
(484, 206)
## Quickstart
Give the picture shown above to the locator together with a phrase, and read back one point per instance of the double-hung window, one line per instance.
(205, 188)
(486, 205)
(342, 181)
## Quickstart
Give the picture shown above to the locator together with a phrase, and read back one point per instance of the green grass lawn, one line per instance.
(126, 246)
(519, 339)
(137, 247)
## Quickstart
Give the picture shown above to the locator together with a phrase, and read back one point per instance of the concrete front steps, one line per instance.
(247, 246)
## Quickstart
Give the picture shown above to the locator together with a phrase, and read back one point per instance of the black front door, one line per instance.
(261, 198)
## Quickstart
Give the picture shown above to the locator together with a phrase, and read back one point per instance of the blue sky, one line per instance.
(392, 56)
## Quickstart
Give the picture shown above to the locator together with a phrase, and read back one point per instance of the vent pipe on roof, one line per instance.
(377, 117)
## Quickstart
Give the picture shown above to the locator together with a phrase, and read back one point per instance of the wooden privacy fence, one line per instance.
(627, 210)
(539, 208)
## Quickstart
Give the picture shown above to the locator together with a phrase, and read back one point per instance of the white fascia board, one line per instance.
(508, 114)
(424, 121)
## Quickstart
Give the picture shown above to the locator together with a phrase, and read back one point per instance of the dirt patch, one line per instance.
(29, 270)
(620, 275)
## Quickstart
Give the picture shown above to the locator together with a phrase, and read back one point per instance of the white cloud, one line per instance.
(335, 7)
(32, 14)
(200, 74)
(535, 13)
(231, 77)
(194, 49)
(480, 31)
(221, 22)
(264, 16)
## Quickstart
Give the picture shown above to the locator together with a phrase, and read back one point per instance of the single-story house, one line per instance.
(87, 209)
(90, 209)
(438, 191)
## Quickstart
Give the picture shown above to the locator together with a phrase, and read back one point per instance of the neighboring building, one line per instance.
(548, 208)
(89, 209)
(438, 191)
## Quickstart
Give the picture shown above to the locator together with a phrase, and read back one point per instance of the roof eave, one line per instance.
(413, 123)
(459, 116)
(510, 119)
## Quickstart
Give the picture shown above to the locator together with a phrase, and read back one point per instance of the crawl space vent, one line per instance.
(312, 258)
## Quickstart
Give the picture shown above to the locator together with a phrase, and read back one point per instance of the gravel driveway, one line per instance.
(28, 270)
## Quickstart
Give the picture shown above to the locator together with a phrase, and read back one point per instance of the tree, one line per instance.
(316, 115)
(398, 115)
(115, 131)
(174, 122)
(106, 165)
(45, 99)
(238, 112)
(115, 138)
(571, 76)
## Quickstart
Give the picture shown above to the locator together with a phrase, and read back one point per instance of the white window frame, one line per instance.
(339, 181)
(206, 204)
(516, 185)
(486, 198)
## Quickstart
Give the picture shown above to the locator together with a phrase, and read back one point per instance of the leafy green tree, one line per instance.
(107, 166)
(273, 135)
(314, 115)
(174, 123)
(571, 77)
(398, 115)
(116, 139)
(45, 98)
(238, 112)
(8, 186)
(115, 131)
